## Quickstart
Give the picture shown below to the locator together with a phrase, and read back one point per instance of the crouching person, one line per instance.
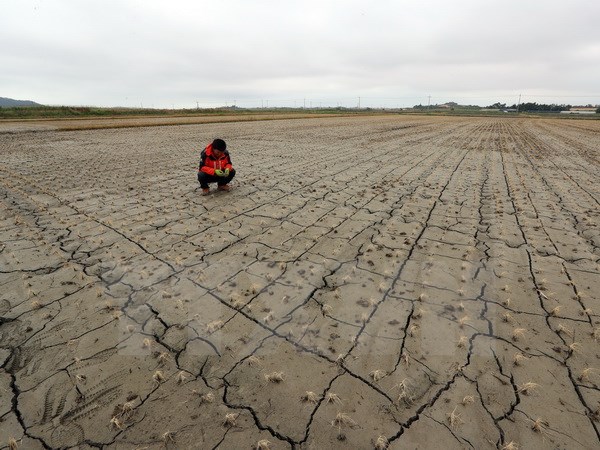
(215, 167)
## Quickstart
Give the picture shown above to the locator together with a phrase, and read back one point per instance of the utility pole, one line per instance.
(519, 103)
(197, 105)
(428, 101)
(304, 104)
(358, 102)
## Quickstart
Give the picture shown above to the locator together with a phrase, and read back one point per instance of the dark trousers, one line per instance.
(205, 178)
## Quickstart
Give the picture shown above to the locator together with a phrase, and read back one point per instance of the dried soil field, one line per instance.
(370, 282)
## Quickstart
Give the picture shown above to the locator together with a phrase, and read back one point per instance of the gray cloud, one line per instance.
(117, 52)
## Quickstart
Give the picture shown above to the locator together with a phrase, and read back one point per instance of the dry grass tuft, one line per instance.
(253, 361)
(381, 443)
(462, 342)
(163, 358)
(585, 374)
(405, 359)
(230, 420)
(274, 377)
(214, 326)
(404, 396)
(518, 358)
(343, 420)
(539, 425)
(268, 318)
(13, 444)
(528, 388)
(555, 312)
(419, 313)
(263, 445)
(454, 419)
(467, 400)
(326, 309)
(463, 321)
(511, 446)
(158, 376)
(204, 398)
(127, 408)
(507, 317)
(575, 347)
(377, 375)
(238, 304)
(333, 398)
(518, 333)
(564, 330)
(169, 436)
(116, 424)
(310, 397)
(181, 377)
(109, 306)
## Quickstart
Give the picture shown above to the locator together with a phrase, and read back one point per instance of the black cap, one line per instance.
(219, 144)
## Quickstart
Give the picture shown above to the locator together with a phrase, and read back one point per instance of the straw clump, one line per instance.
(381, 443)
(263, 444)
(274, 377)
(333, 398)
(528, 388)
(230, 420)
(310, 397)
(455, 419)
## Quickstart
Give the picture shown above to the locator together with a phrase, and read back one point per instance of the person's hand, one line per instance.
(226, 172)
(219, 173)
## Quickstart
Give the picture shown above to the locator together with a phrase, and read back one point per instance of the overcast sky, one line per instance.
(174, 53)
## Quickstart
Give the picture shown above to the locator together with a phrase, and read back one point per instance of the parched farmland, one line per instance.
(370, 282)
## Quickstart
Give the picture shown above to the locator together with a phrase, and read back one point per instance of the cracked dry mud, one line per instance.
(389, 282)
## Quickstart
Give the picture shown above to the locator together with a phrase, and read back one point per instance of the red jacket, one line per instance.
(209, 162)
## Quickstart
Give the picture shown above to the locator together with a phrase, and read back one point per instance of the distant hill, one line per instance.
(10, 103)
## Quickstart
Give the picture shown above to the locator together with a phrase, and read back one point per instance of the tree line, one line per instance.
(523, 107)
(532, 106)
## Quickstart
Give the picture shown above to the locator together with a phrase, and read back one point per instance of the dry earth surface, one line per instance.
(91, 123)
(370, 282)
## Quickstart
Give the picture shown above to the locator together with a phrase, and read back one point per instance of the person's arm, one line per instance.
(228, 165)
(203, 167)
